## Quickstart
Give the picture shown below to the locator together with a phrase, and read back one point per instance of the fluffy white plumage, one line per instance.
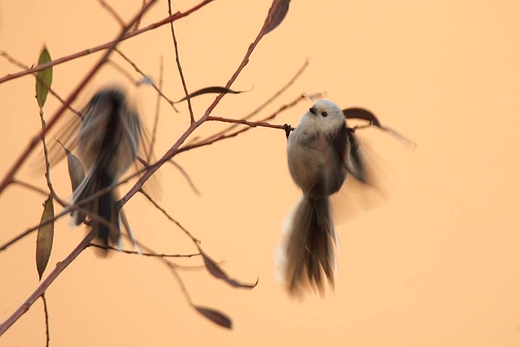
(318, 154)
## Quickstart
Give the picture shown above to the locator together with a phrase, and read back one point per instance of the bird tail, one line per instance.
(309, 249)
(103, 206)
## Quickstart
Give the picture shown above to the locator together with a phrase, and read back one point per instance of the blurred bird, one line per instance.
(108, 144)
(321, 152)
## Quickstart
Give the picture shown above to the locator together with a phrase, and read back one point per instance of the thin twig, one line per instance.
(151, 169)
(46, 157)
(266, 103)
(31, 187)
(47, 329)
(50, 124)
(157, 107)
(173, 268)
(60, 266)
(180, 282)
(188, 147)
(175, 147)
(112, 12)
(186, 176)
(161, 255)
(211, 140)
(138, 22)
(18, 63)
(157, 89)
(108, 45)
(193, 238)
(179, 66)
(245, 122)
(68, 208)
(122, 71)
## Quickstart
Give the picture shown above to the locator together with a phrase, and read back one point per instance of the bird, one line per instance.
(321, 152)
(107, 143)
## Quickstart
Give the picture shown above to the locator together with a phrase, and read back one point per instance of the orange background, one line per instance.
(436, 263)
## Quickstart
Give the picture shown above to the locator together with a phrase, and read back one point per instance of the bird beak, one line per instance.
(313, 110)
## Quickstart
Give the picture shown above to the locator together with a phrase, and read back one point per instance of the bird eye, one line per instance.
(324, 114)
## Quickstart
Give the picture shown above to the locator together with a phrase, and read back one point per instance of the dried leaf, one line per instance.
(216, 271)
(276, 15)
(210, 90)
(215, 316)
(43, 78)
(364, 114)
(76, 171)
(361, 113)
(45, 237)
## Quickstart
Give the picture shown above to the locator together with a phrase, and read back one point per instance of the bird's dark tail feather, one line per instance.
(309, 250)
(104, 207)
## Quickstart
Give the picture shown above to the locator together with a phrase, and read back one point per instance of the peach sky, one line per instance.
(434, 263)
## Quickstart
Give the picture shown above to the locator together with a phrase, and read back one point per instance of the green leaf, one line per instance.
(43, 78)
(45, 237)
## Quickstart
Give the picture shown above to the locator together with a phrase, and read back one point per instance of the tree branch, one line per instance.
(110, 44)
(174, 149)
(179, 66)
(46, 283)
(50, 124)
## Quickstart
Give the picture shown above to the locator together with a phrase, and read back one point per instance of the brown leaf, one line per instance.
(276, 15)
(210, 90)
(76, 171)
(45, 237)
(361, 113)
(216, 271)
(364, 114)
(215, 316)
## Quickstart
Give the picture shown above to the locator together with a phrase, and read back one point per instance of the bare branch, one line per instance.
(147, 254)
(157, 107)
(46, 157)
(179, 66)
(122, 71)
(266, 103)
(68, 208)
(13, 61)
(157, 89)
(112, 12)
(173, 268)
(211, 140)
(22, 309)
(193, 238)
(31, 187)
(110, 44)
(175, 147)
(32, 144)
(47, 329)
(185, 174)
(245, 122)
(138, 22)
